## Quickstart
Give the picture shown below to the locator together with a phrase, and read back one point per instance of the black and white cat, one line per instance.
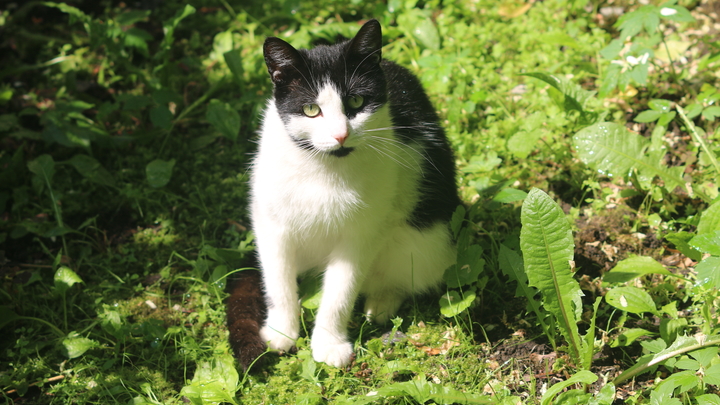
(354, 177)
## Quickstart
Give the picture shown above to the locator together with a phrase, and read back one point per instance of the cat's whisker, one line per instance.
(423, 155)
(387, 154)
(389, 149)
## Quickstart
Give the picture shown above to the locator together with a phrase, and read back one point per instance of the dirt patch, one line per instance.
(604, 240)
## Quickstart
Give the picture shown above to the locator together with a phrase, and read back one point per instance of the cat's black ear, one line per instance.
(367, 44)
(283, 61)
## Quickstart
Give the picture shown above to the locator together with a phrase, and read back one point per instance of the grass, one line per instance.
(125, 134)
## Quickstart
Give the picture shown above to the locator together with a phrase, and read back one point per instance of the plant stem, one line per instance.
(633, 371)
(667, 49)
(691, 128)
(54, 328)
(58, 215)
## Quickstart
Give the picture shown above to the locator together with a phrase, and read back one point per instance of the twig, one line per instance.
(49, 380)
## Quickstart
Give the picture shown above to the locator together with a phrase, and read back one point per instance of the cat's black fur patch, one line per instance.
(417, 122)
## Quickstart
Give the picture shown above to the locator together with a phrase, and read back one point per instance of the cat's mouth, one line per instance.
(341, 151)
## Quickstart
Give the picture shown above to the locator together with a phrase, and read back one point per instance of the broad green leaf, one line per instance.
(310, 290)
(606, 396)
(138, 38)
(710, 219)
(482, 163)
(468, 268)
(65, 278)
(161, 117)
(614, 151)
(575, 97)
(452, 304)
(712, 375)
(421, 27)
(522, 143)
(709, 399)
(676, 13)
(573, 397)
(685, 380)
(663, 395)
(660, 105)
(457, 220)
(612, 50)
(158, 172)
(610, 80)
(509, 195)
(629, 336)
(215, 381)
(711, 113)
(632, 267)
(707, 243)
(705, 356)
(681, 241)
(234, 62)
(76, 346)
(639, 72)
(631, 299)
(222, 43)
(92, 170)
(708, 272)
(223, 118)
(648, 116)
(547, 245)
(582, 376)
(646, 17)
(43, 167)
(687, 364)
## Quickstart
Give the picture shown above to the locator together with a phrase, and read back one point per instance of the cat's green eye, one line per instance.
(311, 110)
(355, 101)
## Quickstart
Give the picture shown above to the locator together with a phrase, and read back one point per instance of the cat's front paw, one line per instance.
(277, 340)
(334, 352)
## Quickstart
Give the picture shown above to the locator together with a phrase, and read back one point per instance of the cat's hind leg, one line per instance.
(412, 261)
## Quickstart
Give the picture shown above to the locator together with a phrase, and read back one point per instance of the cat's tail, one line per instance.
(245, 313)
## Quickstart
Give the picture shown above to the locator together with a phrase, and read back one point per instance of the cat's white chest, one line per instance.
(305, 192)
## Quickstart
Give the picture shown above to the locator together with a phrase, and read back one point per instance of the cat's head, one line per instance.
(329, 95)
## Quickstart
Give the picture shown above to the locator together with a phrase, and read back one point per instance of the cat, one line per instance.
(354, 177)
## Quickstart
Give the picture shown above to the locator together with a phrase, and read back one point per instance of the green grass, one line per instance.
(125, 136)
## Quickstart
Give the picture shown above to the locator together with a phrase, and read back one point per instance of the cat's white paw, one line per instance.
(331, 351)
(279, 332)
(277, 340)
(380, 310)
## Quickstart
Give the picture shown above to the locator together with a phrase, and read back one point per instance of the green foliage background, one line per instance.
(125, 134)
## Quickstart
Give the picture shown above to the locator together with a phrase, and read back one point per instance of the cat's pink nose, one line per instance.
(341, 137)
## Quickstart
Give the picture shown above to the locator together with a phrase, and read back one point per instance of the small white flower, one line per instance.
(667, 11)
(631, 60)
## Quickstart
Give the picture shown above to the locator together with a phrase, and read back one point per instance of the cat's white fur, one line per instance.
(346, 216)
